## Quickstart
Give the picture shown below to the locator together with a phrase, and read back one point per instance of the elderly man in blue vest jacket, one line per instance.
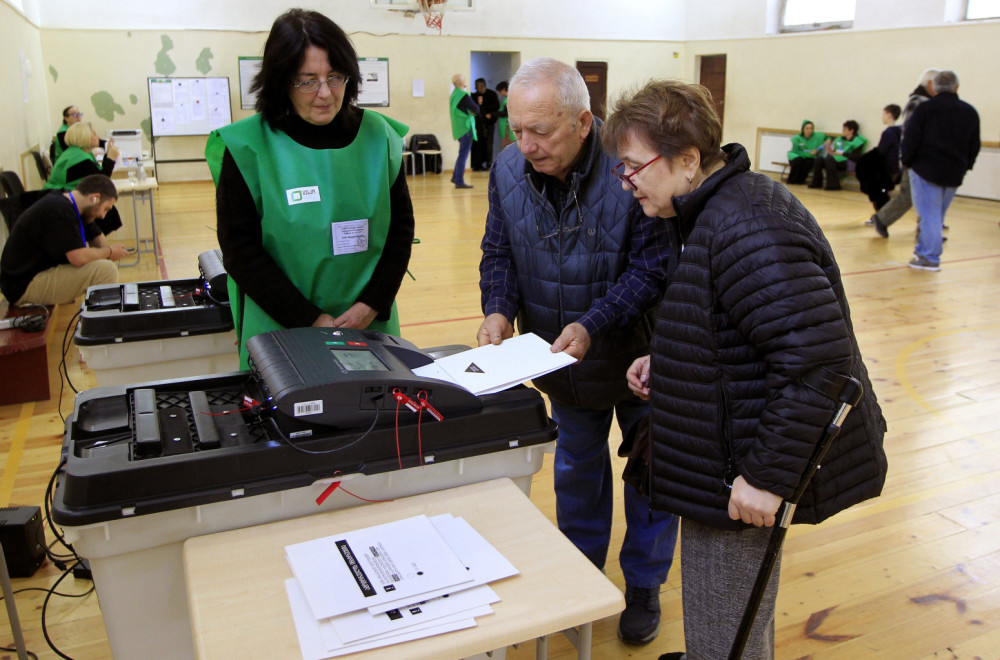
(570, 255)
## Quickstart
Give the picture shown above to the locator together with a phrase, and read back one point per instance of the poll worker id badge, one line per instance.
(350, 236)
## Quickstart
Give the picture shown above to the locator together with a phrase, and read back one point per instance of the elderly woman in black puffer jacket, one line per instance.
(754, 305)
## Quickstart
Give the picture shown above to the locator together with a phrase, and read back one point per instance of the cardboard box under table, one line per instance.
(151, 465)
(142, 331)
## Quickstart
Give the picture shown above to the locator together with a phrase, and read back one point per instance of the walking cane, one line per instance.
(848, 396)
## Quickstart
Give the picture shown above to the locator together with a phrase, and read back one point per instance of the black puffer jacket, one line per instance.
(755, 303)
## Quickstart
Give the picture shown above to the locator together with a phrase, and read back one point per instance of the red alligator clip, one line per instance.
(405, 400)
(426, 405)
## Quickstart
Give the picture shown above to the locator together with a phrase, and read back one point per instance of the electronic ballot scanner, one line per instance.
(317, 402)
(140, 331)
(333, 377)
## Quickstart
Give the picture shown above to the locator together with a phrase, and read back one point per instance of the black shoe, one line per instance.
(640, 622)
(832, 188)
(816, 185)
(880, 227)
(675, 655)
(463, 185)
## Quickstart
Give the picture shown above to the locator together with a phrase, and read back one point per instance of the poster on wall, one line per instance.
(188, 106)
(249, 67)
(373, 89)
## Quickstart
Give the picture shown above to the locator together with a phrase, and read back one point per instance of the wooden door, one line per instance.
(595, 75)
(713, 76)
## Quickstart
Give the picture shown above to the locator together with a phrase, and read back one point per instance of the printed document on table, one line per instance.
(361, 625)
(311, 642)
(354, 570)
(485, 561)
(490, 368)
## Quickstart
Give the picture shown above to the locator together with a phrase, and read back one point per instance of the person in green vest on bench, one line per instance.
(77, 161)
(314, 216)
(846, 148)
(805, 148)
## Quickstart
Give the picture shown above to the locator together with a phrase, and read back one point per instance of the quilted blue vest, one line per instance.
(566, 258)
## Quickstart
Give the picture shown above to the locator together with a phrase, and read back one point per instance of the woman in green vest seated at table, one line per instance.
(78, 161)
(846, 148)
(314, 216)
(805, 148)
(71, 115)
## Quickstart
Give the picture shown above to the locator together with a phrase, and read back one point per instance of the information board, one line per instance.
(373, 89)
(188, 106)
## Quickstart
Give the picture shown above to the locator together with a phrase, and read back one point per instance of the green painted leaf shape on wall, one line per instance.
(164, 65)
(202, 63)
(105, 106)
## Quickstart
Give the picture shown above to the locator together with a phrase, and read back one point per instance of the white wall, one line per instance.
(773, 80)
(23, 122)
(548, 19)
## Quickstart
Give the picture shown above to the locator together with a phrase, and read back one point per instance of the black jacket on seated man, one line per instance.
(39, 241)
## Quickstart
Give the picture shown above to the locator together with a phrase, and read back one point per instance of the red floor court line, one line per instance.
(888, 268)
(413, 325)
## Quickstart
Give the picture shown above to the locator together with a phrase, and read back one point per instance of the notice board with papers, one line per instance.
(188, 106)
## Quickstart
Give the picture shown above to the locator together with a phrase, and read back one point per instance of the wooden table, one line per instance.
(145, 190)
(239, 609)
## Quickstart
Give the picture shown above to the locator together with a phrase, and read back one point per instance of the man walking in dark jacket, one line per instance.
(940, 144)
(571, 256)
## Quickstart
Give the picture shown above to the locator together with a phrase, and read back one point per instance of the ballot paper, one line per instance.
(374, 565)
(490, 368)
(485, 561)
(314, 647)
(354, 626)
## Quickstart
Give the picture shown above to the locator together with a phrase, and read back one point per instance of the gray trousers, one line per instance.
(718, 569)
(900, 203)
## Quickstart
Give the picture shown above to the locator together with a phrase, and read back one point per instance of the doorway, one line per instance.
(595, 76)
(493, 67)
(713, 76)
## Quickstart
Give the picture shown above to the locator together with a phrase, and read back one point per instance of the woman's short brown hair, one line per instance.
(671, 116)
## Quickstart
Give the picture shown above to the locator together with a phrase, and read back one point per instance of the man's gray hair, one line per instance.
(928, 76)
(572, 91)
(946, 81)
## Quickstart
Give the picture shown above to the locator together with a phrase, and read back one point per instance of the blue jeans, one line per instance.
(584, 487)
(931, 202)
(464, 145)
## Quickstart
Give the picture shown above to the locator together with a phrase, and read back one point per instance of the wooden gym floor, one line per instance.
(912, 574)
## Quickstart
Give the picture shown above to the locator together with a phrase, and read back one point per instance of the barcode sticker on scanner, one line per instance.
(308, 408)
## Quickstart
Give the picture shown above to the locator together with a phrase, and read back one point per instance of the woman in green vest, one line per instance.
(805, 147)
(314, 215)
(71, 115)
(845, 148)
(506, 135)
(77, 161)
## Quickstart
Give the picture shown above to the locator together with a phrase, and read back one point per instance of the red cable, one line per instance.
(399, 455)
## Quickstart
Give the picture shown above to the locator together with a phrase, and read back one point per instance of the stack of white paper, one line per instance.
(490, 368)
(390, 583)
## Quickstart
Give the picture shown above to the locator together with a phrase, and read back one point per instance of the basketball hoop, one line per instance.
(433, 12)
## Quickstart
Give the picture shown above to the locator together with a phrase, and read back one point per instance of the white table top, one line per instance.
(127, 186)
(239, 609)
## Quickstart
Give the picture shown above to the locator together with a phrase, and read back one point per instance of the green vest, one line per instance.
(802, 146)
(72, 156)
(461, 120)
(848, 147)
(301, 194)
(56, 147)
(505, 131)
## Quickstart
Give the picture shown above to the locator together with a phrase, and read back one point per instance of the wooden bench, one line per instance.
(23, 360)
